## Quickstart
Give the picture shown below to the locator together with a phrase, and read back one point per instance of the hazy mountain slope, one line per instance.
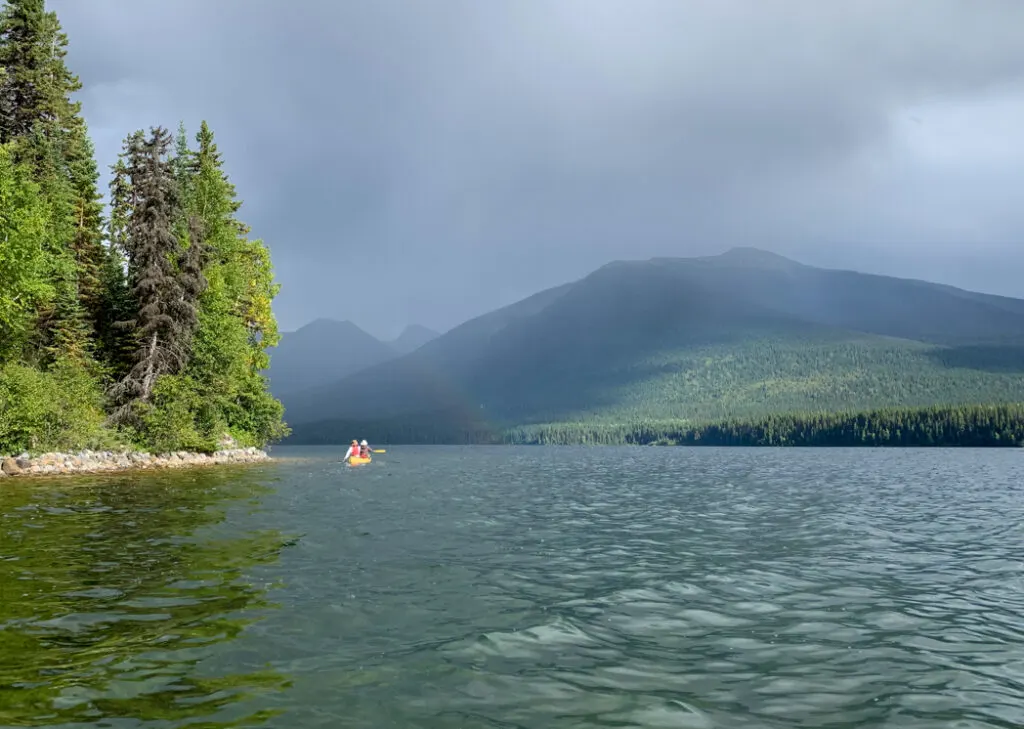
(412, 338)
(321, 352)
(423, 381)
(460, 349)
(742, 333)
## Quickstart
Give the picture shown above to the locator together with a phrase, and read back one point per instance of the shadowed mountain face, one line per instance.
(742, 333)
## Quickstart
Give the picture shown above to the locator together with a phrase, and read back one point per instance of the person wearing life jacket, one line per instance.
(353, 450)
(364, 449)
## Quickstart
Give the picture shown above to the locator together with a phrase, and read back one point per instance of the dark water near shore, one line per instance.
(535, 588)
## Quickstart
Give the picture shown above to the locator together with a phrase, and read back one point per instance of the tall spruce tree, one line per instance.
(118, 306)
(45, 128)
(87, 243)
(163, 270)
(28, 86)
(36, 109)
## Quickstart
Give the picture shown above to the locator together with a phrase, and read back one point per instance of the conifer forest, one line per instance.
(142, 324)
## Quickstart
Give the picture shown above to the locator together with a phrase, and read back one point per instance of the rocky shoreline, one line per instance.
(84, 462)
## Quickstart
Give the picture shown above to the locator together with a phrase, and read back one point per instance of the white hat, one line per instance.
(364, 443)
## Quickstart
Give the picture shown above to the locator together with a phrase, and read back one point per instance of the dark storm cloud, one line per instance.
(412, 161)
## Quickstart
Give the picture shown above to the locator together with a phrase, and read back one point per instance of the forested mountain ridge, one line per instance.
(743, 334)
(147, 329)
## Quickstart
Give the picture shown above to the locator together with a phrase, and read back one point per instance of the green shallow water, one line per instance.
(490, 587)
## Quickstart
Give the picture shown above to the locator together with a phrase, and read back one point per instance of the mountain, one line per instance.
(740, 334)
(322, 352)
(412, 338)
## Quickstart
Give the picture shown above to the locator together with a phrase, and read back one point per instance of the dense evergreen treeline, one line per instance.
(148, 328)
(962, 426)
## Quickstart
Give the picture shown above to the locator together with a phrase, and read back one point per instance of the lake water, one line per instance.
(499, 587)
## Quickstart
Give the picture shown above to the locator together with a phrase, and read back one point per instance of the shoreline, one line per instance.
(93, 462)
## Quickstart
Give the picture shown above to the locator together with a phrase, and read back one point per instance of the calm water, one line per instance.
(538, 588)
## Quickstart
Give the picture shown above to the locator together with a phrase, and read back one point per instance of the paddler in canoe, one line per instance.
(359, 452)
(354, 454)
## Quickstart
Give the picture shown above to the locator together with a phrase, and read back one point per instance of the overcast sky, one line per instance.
(424, 162)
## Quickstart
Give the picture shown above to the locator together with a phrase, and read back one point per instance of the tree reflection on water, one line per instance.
(117, 596)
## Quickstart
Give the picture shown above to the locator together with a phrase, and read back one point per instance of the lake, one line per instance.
(521, 587)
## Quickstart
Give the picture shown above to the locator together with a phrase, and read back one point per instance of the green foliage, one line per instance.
(24, 264)
(58, 409)
(186, 414)
(173, 420)
(126, 331)
(259, 417)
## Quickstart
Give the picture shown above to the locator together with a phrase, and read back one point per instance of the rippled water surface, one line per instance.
(448, 587)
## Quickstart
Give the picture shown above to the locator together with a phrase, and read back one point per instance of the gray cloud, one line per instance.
(425, 162)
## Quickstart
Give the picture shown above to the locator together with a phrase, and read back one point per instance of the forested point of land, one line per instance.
(146, 327)
(978, 426)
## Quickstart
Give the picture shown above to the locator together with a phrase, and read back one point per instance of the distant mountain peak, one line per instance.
(750, 256)
(417, 329)
(325, 323)
(322, 351)
(413, 337)
(747, 256)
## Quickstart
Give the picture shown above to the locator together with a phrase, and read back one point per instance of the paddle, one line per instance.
(381, 451)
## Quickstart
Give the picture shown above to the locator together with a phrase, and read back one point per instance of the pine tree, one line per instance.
(116, 305)
(36, 111)
(87, 244)
(25, 61)
(117, 339)
(122, 195)
(163, 272)
(46, 131)
(183, 160)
